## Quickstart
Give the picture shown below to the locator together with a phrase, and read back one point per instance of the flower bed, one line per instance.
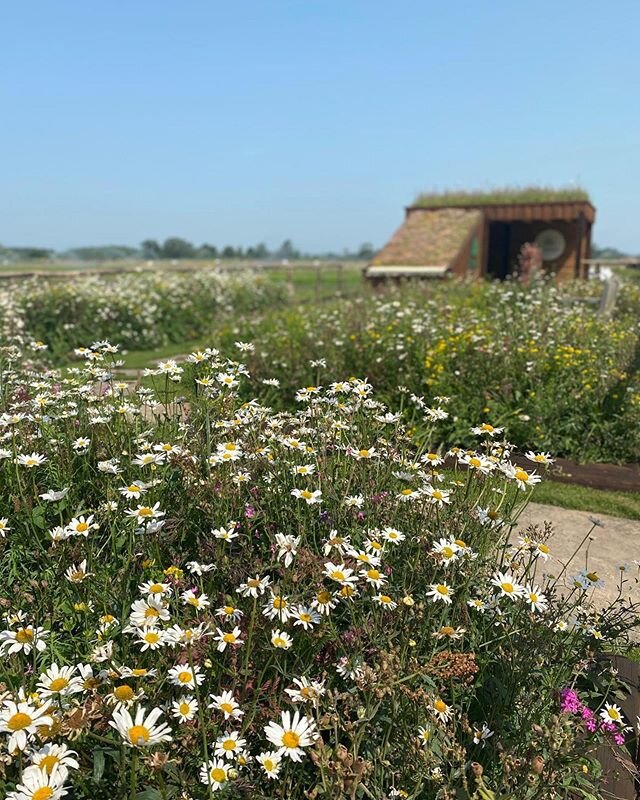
(227, 600)
(560, 376)
(142, 310)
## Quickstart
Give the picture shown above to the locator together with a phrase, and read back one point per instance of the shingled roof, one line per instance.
(430, 238)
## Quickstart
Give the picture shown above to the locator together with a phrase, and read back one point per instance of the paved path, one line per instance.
(615, 542)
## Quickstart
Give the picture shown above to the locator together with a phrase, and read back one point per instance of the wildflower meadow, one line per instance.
(235, 583)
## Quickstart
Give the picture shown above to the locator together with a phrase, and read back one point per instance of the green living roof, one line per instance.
(505, 196)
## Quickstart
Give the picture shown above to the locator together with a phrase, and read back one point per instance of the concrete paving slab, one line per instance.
(612, 543)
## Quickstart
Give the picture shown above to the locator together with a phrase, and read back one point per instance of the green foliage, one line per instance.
(506, 195)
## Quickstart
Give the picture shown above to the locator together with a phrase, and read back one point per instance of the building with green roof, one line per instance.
(482, 234)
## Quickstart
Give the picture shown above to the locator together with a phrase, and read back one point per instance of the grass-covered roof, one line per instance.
(505, 196)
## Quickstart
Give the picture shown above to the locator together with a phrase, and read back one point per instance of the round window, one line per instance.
(551, 243)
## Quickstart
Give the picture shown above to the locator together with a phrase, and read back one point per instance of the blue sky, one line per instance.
(238, 122)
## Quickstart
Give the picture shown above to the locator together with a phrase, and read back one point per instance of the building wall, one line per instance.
(564, 266)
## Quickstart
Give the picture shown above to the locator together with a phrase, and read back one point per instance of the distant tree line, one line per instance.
(175, 248)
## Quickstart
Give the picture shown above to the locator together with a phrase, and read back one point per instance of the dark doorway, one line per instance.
(498, 258)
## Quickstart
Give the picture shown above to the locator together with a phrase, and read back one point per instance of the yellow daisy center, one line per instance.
(48, 763)
(123, 693)
(229, 745)
(290, 739)
(184, 676)
(58, 684)
(24, 635)
(218, 775)
(43, 793)
(19, 721)
(139, 733)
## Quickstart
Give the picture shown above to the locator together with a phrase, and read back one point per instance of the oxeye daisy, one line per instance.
(310, 497)
(21, 720)
(60, 681)
(30, 460)
(228, 638)
(306, 691)
(446, 550)
(133, 490)
(270, 762)
(524, 478)
(38, 784)
(142, 730)
(281, 640)
(292, 734)
(199, 601)
(184, 708)
(79, 526)
(437, 497)
(77, 573)
(393, 535)
(124, 696)
(508, 585)
(254, 586)
(55, 756)
(612, 713)
(151, 639)
(24, 638)
(486, 430)
(230, 745)
(440, 592)
(425, 733)
(155, 588)
(214, 773)
(340, 573)
(185, 676)
(539, 458)
(305, 617)
(534, 597)
(385, 601)
(226, 703)
(324, 602)
(480, 735)
(441, 710)
(278, 608)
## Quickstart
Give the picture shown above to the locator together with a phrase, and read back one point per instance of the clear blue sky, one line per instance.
(238, 122)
